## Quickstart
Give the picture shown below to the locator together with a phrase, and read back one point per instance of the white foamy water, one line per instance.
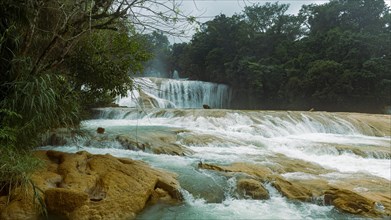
(311, 137)
(226, 136)
(225, 206)
(176, 93)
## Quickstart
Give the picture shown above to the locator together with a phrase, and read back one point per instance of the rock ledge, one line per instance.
(86, 186)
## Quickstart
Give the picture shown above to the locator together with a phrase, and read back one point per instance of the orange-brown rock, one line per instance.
(365, 195)
(379, 125)
(63, 201)
(292, 190)
(86, 186)
(257, 171)
(359, 194)
(252, 188)
(158, 142)
(352, 202)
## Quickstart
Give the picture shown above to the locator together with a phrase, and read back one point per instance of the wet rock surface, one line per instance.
(86, 186)
(158, 142)
(252, 188)
(283, 159)
(362, 195)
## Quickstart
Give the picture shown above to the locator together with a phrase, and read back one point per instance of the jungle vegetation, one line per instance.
(59, 58)
(335, 56)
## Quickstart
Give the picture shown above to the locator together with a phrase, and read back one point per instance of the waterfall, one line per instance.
(268, 124)
(313, 151)
(169, 93)
(216, 152)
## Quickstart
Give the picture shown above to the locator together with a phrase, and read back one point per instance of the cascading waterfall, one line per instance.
(169, 93)
(347, 150)
(193, 94)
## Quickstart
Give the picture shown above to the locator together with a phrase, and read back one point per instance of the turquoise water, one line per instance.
(238, 137)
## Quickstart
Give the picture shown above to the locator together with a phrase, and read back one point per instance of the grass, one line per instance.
(17, 164)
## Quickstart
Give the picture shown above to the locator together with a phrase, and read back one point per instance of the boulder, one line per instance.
(359, 194)
(252, 188)
(86, 186)
(292, 190)
(100, 130)
(362, 194)
(352, 202)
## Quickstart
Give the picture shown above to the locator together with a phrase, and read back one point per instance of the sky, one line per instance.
(208, 9)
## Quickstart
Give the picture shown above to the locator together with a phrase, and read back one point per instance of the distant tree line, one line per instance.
(335, 56)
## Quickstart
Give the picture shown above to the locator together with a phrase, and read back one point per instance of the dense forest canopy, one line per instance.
(59, 58)
(335, 56)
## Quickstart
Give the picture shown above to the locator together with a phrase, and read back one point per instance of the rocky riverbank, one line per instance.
(297, 180)
(317, 158)
(86, 186)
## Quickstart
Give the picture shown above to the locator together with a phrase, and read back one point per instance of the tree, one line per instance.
(158, 46)
(101, 64)
(334, 56)
(55, 54)
(42, 43)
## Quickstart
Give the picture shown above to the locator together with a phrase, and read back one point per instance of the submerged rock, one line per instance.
(86, 186)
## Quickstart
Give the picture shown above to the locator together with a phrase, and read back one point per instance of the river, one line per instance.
(339, 148)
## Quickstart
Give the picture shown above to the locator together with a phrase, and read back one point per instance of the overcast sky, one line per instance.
(207, 9)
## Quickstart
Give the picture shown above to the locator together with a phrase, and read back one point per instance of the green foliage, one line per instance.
(16, 169)
(334, 56)
(43, 102)
(101, 64)
(55, 55)
(16, 165)
(157, 45)
(57, 61)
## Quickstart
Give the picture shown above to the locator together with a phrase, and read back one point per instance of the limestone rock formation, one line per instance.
(363, 195)
(352, 202)
(86, 186)
(252, 188)
(158, 142)
(63, 200)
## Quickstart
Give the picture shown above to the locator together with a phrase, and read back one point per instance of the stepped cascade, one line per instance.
(176, 93)
(236, 164)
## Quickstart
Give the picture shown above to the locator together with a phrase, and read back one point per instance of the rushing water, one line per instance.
(342, 146)
(177, 93)
(227, 136)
